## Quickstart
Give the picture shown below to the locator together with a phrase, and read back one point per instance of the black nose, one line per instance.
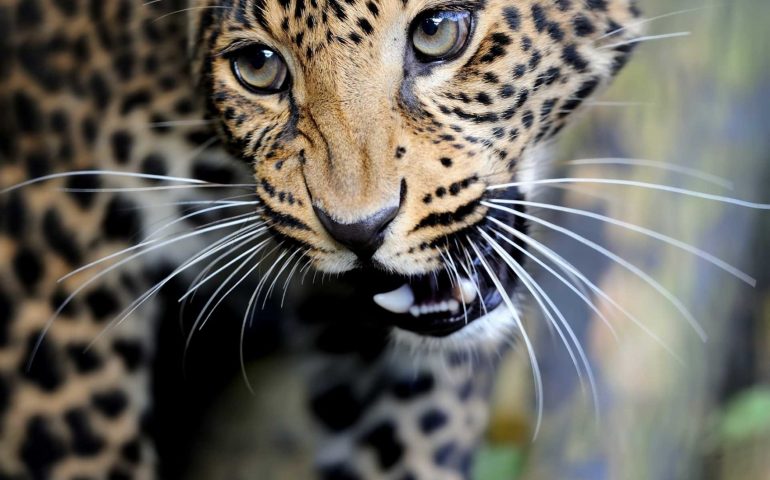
(362, 238)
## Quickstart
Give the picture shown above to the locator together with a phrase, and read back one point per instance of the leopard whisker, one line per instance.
(574, 285)
(182, 123)
(133, 306)
(199, 322)
(206, 312)
(634, 183)
(202, 212)
(444, 254)
(189, 9)
(114, 173)
(266, 276)
(645, 38)
(717, 262)
(638, 162)
(277, 275)
(305, 269)
(617, 259)
(199, 283)
(239, 235)
(652, 19)
(155, 188)
(96, 277)
(150, 241)
(610, 103)
(473, 276)
(291, 275)
(535, 367)
(565, 265)
(456, 274)
(247, 320)
(540, 295)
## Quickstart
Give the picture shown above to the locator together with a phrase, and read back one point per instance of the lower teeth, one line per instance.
(445, 306)
(402, 300)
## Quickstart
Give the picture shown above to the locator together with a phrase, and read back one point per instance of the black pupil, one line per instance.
(430, 25)
(259, 59)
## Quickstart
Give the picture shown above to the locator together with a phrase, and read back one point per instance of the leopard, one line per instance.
(363, 141)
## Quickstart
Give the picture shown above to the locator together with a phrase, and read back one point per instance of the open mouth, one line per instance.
(440, 304)
(436, 304)
(474, 282)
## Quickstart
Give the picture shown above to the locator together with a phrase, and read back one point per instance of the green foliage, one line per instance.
(498, 462)
(746, 417)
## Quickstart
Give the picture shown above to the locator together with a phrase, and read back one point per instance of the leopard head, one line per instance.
(375, 129)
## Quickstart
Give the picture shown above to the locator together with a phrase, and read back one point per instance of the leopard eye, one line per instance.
(439, 35)
(260, 69)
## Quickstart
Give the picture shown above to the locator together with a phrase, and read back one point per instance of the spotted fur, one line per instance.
(122, 85)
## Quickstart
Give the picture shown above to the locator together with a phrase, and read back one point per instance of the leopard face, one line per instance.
(376, 127)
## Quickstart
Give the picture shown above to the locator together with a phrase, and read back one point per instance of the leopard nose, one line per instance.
(362, 238)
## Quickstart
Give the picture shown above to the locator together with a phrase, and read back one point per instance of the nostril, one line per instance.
(363, 237)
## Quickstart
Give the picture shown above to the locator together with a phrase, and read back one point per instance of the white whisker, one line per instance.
(80, 173)
(624, 263)
(155, 188)
(305, 269)
(157, 242)
(717, 262)
(634, 183)
(539, 295)
(646, 38)
(652, 19)
(201, 321)
(638, 162)
(190, 9)
(290, 275)
(141, 300)
(182, 123)
(201, 212)
(285, 265)
(562, 263)
(517, 319)
(263, 281)
(473, 276)
(199, 283)
(456, 273)
(239, 239)
(575, 286)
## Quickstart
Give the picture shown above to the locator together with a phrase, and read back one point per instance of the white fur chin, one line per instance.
(485, 330)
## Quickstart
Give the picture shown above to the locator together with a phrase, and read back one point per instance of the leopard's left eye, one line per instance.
(440, 35)
(260, 69)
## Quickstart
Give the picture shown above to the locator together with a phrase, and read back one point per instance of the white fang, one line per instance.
(465, 291)
(397, 301)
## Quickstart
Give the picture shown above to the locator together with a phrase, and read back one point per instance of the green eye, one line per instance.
(260, 69)
(439, 35)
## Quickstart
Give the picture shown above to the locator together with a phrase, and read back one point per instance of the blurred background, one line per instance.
(693, 112)
(698, 102)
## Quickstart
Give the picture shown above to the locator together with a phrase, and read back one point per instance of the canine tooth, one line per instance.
(425, 309)
(454, 305)
(444, 306)
(465, 291)
(415, 311)
(398, 301)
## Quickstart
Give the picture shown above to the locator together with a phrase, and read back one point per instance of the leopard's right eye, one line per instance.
(260, 69)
